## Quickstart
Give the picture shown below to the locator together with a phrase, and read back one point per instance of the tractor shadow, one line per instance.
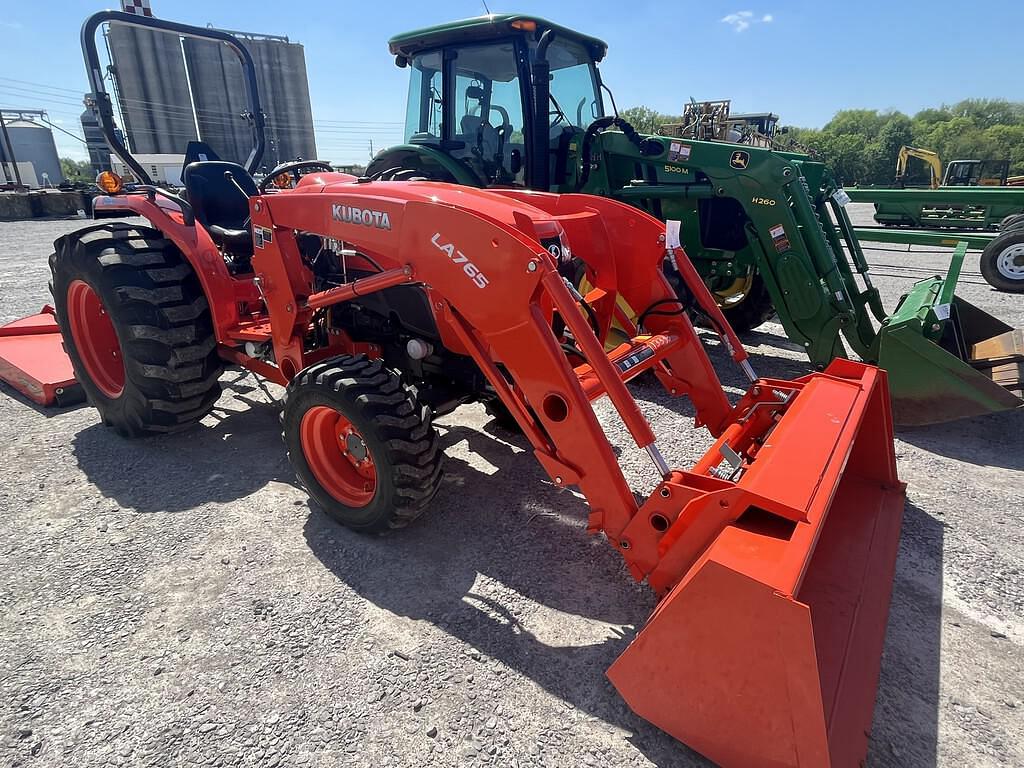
(501, 532)
(906, 722)
(766, 365)
(49, 411)
(234, 452)
(995, 440)
(772, 356)
(494, 533)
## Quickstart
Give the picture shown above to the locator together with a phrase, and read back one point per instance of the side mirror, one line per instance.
(516, 162)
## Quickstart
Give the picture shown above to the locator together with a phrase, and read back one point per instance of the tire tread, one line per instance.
(163, 320)
(401, 423)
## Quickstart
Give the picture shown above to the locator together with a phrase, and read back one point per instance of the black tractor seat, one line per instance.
(231, 239)
(221, 203)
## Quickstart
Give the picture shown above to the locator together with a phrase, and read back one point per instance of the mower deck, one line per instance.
(33, 360)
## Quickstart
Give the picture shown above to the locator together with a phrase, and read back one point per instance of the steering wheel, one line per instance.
(291, 170)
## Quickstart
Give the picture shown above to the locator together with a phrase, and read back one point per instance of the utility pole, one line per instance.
(10, 151)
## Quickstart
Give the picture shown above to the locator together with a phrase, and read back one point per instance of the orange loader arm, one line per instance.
(774, 554)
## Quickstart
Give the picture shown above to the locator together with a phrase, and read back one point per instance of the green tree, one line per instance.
(881, 152)
(862, 122)
(862, 144)
(845, 152)
(986, 113)
(928, 117)
(647, 120)
(76, 170)
(1008, 142)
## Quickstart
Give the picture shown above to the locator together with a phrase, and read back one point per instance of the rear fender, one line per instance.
(423, 157)
(223, 292)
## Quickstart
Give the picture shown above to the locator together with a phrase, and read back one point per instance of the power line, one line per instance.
(41, 85)
(36, 97)
(148, 102)
(330, 135)
(229, 121)
(363, 122)
(69, 133)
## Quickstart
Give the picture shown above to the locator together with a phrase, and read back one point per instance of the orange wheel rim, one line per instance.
(338, 456)
(95, 339)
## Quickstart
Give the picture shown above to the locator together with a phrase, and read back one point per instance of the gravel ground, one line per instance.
(175, 601)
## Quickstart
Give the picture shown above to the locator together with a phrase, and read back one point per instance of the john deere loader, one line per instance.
(516, 101)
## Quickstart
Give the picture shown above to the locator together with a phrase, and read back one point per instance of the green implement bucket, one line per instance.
(946, 358)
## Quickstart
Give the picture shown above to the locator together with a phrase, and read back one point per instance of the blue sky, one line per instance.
(803, 59)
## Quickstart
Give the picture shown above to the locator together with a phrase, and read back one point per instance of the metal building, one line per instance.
(95, 143)
(218, 92)
(151, 89)
(32, 142)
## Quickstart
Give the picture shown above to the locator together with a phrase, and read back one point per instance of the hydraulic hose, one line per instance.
(646, 147)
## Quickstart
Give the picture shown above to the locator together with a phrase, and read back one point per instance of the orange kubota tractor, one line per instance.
(382, 304)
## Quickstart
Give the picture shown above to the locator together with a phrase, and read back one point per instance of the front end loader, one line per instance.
(380, 305)
(511, 100)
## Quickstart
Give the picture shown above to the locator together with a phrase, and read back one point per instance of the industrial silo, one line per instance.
(32, 142)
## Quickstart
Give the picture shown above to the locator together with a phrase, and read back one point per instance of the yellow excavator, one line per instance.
(929, 158)
(959, 173)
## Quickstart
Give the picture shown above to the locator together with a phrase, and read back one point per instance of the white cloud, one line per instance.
(11, 25)
(742, 20)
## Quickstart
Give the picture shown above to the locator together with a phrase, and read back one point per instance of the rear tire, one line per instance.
(361, 443)
(124, 293)
(754, 310)
(1002, 262)
(1013, 221)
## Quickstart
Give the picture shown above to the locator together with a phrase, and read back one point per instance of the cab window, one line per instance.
(487, 112)
(575, 99)
(424, 109)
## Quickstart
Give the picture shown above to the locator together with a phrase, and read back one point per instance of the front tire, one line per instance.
(137, 328)
(361, 444)
(502, 417)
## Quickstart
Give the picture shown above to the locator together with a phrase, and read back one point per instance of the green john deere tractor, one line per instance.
(512, 100)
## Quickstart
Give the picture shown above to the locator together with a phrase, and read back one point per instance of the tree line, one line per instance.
(76, 170)
(861, 145)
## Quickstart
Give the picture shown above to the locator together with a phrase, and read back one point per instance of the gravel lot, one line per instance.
(175, 601)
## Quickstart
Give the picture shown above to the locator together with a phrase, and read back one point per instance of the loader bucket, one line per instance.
(767, 651)
(946, 358)
(33, 360)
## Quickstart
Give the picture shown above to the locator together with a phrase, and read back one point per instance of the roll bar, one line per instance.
(99, 99)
